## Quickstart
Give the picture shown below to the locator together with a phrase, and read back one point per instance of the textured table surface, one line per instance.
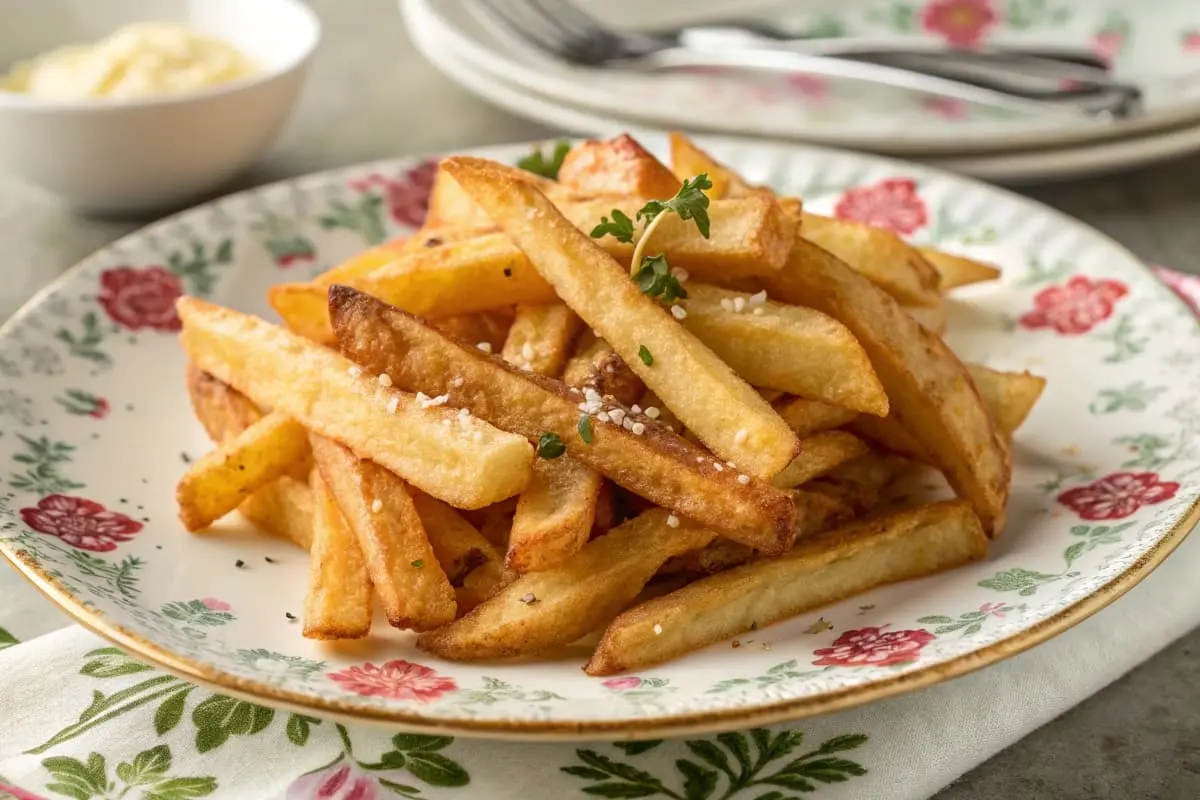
(371, 96)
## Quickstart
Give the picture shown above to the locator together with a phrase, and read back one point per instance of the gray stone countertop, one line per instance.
(370, 95)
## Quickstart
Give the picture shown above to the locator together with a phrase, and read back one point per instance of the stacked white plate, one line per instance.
(1154, 44)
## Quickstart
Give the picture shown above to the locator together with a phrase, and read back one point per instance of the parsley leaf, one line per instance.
(420, 562)
(550, 445)
(585, 429)
(690, 202)
(620, 227)
(645, 355)
(537, 163)
(655, 279)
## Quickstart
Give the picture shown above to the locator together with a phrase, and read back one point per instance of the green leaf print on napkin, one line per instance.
(220, 717)
(148, 771)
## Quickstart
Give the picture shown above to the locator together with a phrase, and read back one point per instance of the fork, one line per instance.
(564, 31)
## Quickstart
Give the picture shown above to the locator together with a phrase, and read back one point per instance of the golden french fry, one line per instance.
(473, 567)
(807, 417)
(596, 366)
(412, 587)
(820, 453)
(617, 166)
(465, 461)
(450, 206)
(490, 327)
(1009, 396)
(696, 385)
(540, 338)
(366, 262)
(822, 570)
(860, 483)
(796, 350)
(932, 317)
(223, 411)
(338, 602)
(687, 159)
(930, 392)
(218, 482)
(878, 255)
(958, 271)
(542, 610)
(555, 515)
(652, 461)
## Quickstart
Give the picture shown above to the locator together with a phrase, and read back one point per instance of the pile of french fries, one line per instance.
(655, 403)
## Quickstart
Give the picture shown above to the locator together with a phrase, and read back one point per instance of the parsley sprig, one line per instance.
(652, 273)
(537, 162)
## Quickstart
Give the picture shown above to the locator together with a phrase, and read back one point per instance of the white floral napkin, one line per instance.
(79, 719)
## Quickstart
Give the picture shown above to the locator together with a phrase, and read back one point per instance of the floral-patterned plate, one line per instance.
(1154, 44)
(95, 429)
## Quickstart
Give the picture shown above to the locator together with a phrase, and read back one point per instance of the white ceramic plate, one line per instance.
(1155, 44)
(95, 428)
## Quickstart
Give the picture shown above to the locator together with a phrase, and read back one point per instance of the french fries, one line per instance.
(933, 318)
(464, 461)
(687, 160)
(698, 387)
(823, 570)
(807, 417)
(543, 610)
(596, 366)
(956, 271)
(338, 602)
(555, 515)
(412, 587)
(796, 350)
(930, 392)
(616, 166)
(473, 567)
(540, 339)
(820, 453)
(655, 463)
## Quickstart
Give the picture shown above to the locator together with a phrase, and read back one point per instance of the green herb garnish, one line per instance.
(690, 202)
(655, 280)
(537, 163)
(620, 227)
(420, 562)
(585, 429)
(550, 446)
(646, 356)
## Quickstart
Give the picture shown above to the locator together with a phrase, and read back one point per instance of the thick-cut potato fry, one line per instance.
(491, 327)
(932, 317)
(823, 570)
(958, 271)
(412, 587)
(338, 602)
(617, 166)
(1009, 396)
(595, 365)
(655, 463)
(540, 338)
(473, 567)
(555, 514)
(860, 483)
(878, 255)
(930, 392)
(494, 521)
(223, 411)
(807, 417)
(366, 262)
(541, 610)
(218, 482)
(450, 206)
(465, 462)
(793, 349)
(695, 384)
(820, 453)
(687, 159)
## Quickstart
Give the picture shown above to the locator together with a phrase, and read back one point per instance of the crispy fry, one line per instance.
(282, 508)
(338, 602)
(860, 483)
(595, 365)
(1009, 396)
(366, 262)
(223, 411)
(555, 515)
(878, 255)
(465, 462)
(617, 166)
(218, 482)
(473, 567)
(793, 349)
(542, 610)
(932, 317)
(687, 159)
(958, 271)
(698, 387)
(450, 206)
(412, 587)
(807, 417)
(820, 453)
(656, 463)
(930, 391)
(818, 571)
(485, 326)
(540, 338)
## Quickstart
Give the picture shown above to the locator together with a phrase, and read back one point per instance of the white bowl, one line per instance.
(134, 156)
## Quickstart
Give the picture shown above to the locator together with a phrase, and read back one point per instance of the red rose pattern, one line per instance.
(395, 680)
(873, 647)
(80, 522)
(141, 298)
(622, 684)
(100, 409)
(892, 204)
(1118, 495)
(1075, 307)
(1191, 42)
(408, 198)
(963, 23)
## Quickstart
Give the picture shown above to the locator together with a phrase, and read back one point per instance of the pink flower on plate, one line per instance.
(396, 680)
(873, 647)
(1186, 286)
(1108, 44)
(621, 684)
(945, 107)
(963, 23)
(338, 781)
(80, 523)
(1118, 495)
(141, 298)
(213, 604)
(407, 198)
(1191, 41)
(993, 609)
(892, 204)
(1075, 307)
(808, 86)
(100, 409)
